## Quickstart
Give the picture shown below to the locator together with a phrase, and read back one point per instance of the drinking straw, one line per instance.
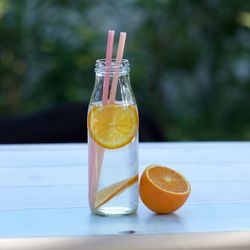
(96, 152)
(95, 162)
(119, 56)
(92, 173)
(109, 51)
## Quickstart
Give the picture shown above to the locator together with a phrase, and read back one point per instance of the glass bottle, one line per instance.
(113, 142)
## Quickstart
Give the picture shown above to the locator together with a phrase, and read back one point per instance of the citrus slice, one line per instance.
(109, 192)
(112, 125)
(163, 190)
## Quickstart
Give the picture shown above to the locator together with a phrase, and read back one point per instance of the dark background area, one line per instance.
(190, 67)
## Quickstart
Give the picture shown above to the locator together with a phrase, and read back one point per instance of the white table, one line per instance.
(43, 200)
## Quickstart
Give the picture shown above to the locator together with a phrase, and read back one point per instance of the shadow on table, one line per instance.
(66, 123)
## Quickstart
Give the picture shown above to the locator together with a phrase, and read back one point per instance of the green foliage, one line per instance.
(190, 60)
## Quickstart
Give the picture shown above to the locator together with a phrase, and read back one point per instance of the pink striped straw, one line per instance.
(119, 56)
(96, 152)
(95, 163)
(109, 51)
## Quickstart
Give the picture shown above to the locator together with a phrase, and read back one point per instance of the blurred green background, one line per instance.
(190, 60)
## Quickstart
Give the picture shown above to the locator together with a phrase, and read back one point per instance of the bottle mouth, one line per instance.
(122, 68)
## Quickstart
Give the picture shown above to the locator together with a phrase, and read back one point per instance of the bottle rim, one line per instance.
(123, 67)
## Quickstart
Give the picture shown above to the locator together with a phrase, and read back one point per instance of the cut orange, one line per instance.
(109, 192)
(113, 125)
(163, 190)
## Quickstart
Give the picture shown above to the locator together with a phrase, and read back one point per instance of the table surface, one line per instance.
(43, 193)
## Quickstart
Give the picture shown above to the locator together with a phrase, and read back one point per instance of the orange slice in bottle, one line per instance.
(109, 192)
(113, 125)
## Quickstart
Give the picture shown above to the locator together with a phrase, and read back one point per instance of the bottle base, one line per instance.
(114, 211)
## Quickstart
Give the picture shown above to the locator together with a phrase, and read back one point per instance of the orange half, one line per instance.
(163, 190)
(113, 125)
(109, 192)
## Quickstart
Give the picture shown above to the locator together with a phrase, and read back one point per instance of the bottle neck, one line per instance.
(101, 69)
(107, 78)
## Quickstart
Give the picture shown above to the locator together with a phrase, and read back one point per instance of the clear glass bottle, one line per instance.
(113, 143)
